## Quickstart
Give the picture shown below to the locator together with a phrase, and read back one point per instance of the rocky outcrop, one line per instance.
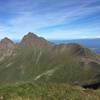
(6, 48)
(32, 40)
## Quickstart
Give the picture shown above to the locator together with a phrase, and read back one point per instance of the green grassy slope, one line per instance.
(31, 65)
(32, 91)
(38, 70)
(35, 59)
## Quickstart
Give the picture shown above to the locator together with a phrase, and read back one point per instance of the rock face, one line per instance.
(32, 40)
(36, 59)
(6, 48)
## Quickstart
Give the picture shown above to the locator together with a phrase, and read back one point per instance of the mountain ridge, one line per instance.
(36, 59)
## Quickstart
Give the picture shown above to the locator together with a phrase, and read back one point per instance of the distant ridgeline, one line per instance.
(93, 44)
(34, 59)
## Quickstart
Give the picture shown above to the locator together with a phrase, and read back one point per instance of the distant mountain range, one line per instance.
(35, 59)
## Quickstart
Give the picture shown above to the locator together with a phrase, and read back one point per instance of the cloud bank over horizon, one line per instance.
(52, 19)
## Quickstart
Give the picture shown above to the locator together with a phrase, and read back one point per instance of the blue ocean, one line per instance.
(93, 44)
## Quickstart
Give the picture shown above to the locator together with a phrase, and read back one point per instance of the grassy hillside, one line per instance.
(35, 59)
(37, 65)
(32, 91)
(48, 69)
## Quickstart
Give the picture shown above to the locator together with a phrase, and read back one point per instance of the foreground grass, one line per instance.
(30, 91)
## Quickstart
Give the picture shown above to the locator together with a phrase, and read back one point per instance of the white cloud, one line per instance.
(32, 16)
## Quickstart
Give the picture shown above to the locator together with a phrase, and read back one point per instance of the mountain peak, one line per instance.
(6, 40)
(32, 39)
(6, 48)
(30, 34)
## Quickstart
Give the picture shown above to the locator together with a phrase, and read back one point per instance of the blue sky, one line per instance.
(52, 19)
